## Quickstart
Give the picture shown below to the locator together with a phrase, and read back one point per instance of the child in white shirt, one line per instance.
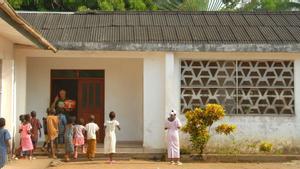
(91, 129)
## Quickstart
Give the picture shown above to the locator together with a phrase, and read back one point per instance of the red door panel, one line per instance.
(91, 101)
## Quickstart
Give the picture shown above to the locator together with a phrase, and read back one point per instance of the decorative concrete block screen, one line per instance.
(242, 87)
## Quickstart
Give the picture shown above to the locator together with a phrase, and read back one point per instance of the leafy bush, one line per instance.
(265, 147)
(83, 8)
(105, 5)
(137, 5)
(16, 4)
(225, 129)
(198, 123)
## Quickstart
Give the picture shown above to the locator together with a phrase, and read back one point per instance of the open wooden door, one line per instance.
(91, 102)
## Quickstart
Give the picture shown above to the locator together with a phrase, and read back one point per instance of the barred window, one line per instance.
(242, 87)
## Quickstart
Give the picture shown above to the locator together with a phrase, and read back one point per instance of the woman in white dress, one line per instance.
(110, 135)
(173, 125)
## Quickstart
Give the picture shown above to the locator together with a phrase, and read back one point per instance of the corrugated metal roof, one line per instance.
(169, 27)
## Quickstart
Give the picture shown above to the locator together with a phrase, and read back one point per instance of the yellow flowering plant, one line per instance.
(198, 123)
(225, 129)
(265, 147)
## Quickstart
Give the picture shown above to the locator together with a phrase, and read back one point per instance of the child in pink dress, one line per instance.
(79, 131)
(25, 130)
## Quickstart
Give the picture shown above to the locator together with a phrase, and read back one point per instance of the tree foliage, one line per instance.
(260, 5)
(143, 5)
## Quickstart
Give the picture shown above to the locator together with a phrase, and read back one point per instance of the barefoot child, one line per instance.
(173, 125)
(36, 129)
(91, 130)
(79, 131)
(110, 135)
(69, 133)
(5, 147)
(26, 142)
(52, 126)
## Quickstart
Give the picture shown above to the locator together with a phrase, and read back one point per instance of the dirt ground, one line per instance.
(42, 163)
(163, 165)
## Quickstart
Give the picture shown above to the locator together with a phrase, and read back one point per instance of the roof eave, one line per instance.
(179, 47)
(39, 39)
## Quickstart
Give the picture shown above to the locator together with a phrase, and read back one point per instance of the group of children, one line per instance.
(59, 129)
(75, 135)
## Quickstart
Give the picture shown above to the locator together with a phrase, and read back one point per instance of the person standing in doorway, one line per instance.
(172, 126)
(91, 129)
(59, 100)
(110, 135)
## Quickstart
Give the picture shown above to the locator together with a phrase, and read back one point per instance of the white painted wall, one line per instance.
(7, 82)
(282, 131)
(123, 88)
(154, 102)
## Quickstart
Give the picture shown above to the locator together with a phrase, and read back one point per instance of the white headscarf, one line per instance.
(173, 112)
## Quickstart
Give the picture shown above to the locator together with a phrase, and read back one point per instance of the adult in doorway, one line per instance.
(59, 100)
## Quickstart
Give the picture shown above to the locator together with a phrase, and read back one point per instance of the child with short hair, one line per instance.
(79, 131)
(69, 133)
(26, 142)
(5, 146)
(110, 135)
(52, 126)
(46, 142)
(91, 129)
(36, 129)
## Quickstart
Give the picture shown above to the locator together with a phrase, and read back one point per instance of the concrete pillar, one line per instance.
(7, 93)
(170, 97)
(154, 102)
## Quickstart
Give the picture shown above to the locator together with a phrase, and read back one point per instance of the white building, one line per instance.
(143, 64)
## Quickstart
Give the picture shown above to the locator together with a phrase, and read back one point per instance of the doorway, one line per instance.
(86, 88)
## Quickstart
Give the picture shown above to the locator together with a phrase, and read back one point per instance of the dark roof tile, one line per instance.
(168, 27)
(169, 33)
(186, 20)
(141, 34)
(146, 20)
(252, 20)
(199, 20)
(266, 20)
(269, 34)
(212, 34)
(155, 34)
(255, 34)
(212, 20)
(133, 20)
(225, 20)
(198, 34)
(238, 19)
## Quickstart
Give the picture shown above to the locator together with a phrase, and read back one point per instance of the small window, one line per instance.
(63, 73)
(91, 73)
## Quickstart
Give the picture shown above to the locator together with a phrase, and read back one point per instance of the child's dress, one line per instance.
(26, 142)
(69, 146)
(110, 136)
(78, 135)
(173, 138)
(4, 136)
